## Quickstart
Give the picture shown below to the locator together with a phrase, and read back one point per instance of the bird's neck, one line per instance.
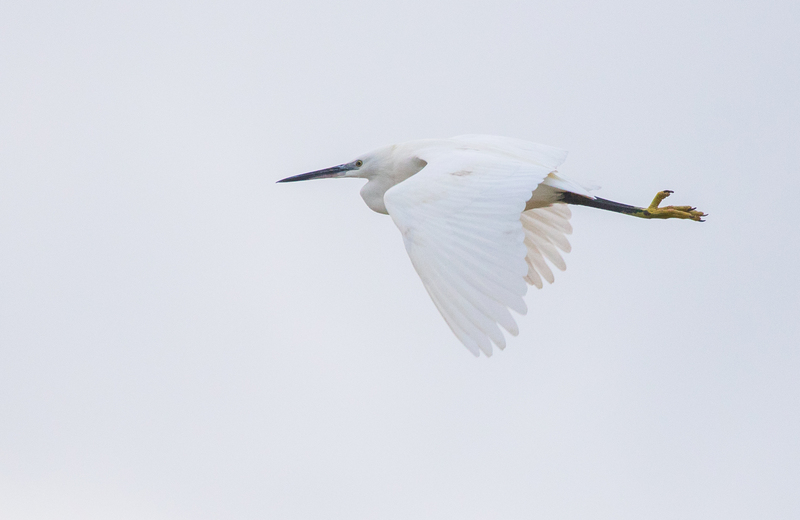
(374, 190)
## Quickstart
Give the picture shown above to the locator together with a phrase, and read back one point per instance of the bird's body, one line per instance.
(481, 217)
(399, 162)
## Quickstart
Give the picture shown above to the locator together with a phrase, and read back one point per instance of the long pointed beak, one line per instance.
(335, 171)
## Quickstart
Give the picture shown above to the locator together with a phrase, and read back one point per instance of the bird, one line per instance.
(481, 216)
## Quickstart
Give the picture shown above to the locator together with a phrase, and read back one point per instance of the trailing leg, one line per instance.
(652, 211)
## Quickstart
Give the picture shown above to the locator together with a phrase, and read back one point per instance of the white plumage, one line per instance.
(481, 218)
(465, 227)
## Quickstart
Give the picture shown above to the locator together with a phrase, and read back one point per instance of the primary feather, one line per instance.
(471, 235)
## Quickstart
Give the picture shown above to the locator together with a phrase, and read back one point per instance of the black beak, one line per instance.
(335, 171)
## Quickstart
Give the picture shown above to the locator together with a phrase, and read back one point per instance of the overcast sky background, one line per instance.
(181, 338)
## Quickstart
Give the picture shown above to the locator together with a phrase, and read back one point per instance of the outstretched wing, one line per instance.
(460, 217)
(545, 233)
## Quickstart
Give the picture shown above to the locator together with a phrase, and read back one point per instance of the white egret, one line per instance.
(480, 216)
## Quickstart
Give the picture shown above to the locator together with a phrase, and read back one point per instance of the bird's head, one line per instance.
(383, 168)
(364, 167)
(370, 165)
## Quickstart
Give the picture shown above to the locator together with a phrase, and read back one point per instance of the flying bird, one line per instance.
(481, 216)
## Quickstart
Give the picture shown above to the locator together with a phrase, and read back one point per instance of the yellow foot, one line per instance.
(653, 211)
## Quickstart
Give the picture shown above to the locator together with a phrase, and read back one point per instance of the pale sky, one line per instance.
(181, 338)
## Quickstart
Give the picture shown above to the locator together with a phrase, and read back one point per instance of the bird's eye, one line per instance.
(359, 163)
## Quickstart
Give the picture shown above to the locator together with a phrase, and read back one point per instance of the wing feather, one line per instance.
(484, 294)
(545, 232)
(460, 313)
(535, 259)
(460, 217)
